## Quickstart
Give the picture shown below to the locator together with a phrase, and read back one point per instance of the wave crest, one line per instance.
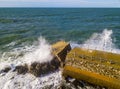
(100, 41)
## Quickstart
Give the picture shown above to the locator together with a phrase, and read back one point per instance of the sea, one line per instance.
(27, 31)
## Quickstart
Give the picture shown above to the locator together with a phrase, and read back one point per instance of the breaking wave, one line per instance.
(99, 41)
(39, 52)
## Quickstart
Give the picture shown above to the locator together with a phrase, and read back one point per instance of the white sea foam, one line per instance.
(13, 81)
(39, 52)
(99, 41)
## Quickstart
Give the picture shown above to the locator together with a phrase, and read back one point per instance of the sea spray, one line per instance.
(99, 41)
(11, 80)
(40, 52)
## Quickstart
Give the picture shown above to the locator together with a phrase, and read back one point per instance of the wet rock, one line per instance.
(6, 69)
(55, 62)
(35, 69)
(21, 69)
(38, 69)
(79, 83)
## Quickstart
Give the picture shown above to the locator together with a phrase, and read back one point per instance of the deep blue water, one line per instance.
(25, 25)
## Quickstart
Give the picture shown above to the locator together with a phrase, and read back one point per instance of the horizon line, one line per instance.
(59, 7)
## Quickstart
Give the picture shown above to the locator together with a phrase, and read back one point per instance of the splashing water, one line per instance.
(100, 41)
(39, 52)
(42, 53)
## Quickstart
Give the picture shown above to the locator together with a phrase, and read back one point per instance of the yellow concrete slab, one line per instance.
(60, 49)
(91, 77)
(95, 62)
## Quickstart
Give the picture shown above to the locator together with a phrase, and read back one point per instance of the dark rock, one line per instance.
(55, 62)
(35, 69)
(21, 69)
(6, 69)
(38, 69)
(78, 83)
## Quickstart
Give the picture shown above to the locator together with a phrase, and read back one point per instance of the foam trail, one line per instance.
(100, 41)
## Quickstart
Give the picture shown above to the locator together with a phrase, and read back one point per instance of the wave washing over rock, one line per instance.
(28, 54)
(12, 79)
(41, 53)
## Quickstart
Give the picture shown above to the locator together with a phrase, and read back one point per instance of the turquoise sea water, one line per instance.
(23, 26)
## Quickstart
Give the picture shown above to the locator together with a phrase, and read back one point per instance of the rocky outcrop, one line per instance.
(21, 69)
(38, 69)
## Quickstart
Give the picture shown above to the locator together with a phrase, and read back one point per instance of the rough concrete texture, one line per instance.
(94, 67)
(60, 49)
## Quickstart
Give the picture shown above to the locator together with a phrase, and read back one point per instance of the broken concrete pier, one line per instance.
(93, 66)
(60, 50)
